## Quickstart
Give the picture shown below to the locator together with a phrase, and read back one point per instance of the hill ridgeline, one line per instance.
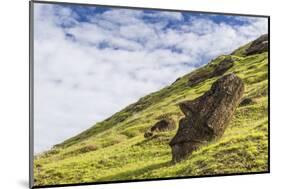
(213, 120)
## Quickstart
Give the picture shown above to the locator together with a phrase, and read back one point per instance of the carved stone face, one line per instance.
(207, 116)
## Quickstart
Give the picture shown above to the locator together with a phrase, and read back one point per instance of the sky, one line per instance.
(90, 62)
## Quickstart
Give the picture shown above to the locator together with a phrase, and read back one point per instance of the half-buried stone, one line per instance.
(207, 116)
(218, 70)
(260, 45)
(246, 101)
(165, 124)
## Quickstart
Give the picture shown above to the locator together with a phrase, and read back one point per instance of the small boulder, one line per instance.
(258, 46)
(198, 77)
(223, 66)
(246, 101)
(164, 125)
(179, 78)
(207, 116)
(161, 126)
(218, 70)
(148, 134)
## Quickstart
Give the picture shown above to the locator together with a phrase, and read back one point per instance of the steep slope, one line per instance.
(115, 149)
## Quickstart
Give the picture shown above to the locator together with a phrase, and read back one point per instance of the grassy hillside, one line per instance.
(115, 149)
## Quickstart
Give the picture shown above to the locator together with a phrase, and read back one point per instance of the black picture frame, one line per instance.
(31, 92)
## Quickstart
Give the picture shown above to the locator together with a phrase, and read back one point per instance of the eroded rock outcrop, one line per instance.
(260, 45)
(161, 126)
(207, 116)
(218, 70)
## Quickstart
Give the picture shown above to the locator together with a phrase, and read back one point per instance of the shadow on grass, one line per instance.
(134, 173)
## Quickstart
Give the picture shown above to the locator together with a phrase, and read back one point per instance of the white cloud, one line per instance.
(86, 71)
(177, 16)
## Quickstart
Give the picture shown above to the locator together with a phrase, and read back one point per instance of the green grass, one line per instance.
(115, 149)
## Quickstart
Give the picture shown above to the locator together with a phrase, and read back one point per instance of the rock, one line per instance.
(148, 134)
(223, 66)
(258, 46)
(218, 70)
(164, 125)
(207, 116)
(161, 126)
(198, 78)
(246, 101)
(179, 78)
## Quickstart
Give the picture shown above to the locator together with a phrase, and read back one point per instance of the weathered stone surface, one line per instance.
(223, 66)
(199, 77)
(260, 45)
(218, 70)
(246, 101)
(148, 134)
(207, 116)
(176, 80)
(162, 125)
